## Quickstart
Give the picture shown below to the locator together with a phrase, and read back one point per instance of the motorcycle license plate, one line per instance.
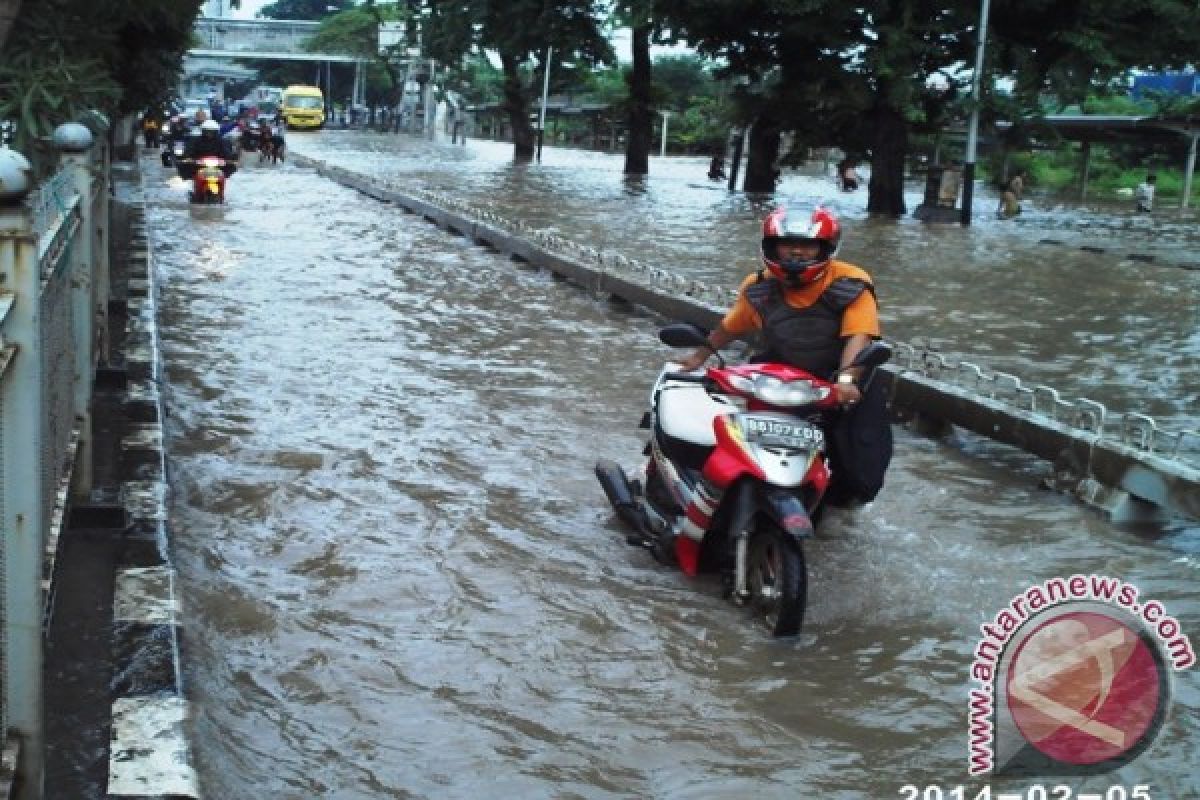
(772, 432)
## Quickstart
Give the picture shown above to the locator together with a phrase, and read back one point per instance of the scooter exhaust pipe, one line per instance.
(620, 495)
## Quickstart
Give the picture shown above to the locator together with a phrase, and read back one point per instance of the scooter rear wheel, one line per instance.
(777, 580)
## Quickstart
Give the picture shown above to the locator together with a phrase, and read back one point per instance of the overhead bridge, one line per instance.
(276, 56)
(275, 39)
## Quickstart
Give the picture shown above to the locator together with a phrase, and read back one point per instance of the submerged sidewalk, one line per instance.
(115, 712)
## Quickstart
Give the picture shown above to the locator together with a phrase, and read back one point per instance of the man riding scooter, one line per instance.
(816, 313)
(208, 160)
(209, 143)
(174, 133)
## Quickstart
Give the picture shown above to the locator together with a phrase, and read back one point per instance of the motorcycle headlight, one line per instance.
(787, 393)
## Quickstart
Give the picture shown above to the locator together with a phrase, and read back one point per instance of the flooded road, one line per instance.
(402, 580)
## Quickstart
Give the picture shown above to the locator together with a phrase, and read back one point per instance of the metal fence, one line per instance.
(53, 310)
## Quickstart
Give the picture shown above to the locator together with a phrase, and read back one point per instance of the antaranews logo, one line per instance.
(1073, 679)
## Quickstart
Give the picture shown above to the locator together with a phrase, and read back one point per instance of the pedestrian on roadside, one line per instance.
(151, 128)
(716, 167)
(1143, 195)
(1010, 198)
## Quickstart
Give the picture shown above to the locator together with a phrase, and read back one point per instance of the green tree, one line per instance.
(686, 85)
(64, 58)
(356, 32)
(478, 81)
(639, 17)
(862, 72)
(518, 30)
(784, 59)
(680, 79)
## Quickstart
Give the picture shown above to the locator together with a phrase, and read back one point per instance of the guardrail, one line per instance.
(53, 307)
(1108, 459)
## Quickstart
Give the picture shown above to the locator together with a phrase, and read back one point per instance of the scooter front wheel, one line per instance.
(776, 580)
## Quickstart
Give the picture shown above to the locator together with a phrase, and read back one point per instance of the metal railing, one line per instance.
(53, 310)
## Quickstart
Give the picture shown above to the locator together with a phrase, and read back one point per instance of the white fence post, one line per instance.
(101, 281)
(23, 522)
(74, 141)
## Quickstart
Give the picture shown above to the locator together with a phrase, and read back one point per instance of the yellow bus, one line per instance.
(303, 107)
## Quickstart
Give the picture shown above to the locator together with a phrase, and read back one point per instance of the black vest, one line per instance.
(809, 338)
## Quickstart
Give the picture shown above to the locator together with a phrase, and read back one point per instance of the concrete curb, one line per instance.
(149, 752)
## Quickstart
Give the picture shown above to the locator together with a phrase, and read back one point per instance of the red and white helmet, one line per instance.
(822, 228)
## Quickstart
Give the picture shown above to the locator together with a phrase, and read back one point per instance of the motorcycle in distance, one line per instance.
(172, 152)
(251, 136)
(208, 175)
(737, 463)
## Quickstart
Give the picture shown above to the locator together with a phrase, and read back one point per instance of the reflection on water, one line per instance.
(403, 580)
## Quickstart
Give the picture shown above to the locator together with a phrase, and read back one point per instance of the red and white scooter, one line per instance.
(737, 471)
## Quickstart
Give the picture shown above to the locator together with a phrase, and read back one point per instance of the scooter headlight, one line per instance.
(742, 384)
(785, 394)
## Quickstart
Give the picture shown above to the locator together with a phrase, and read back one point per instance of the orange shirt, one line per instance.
(861, 316)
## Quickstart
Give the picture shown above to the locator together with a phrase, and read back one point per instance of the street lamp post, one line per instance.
(545, 96)
(973, 126)
(666, 115)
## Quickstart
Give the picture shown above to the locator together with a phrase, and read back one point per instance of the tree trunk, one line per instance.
(886, 190)
(637, 147)
(517, 108)
(762, 171)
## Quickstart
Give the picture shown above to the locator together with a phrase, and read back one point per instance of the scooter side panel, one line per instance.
(686, 411)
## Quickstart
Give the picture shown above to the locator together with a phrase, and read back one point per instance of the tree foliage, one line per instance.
(518, 31)
(311, 10)
(860, 75)
(356, 32)
(64, 58)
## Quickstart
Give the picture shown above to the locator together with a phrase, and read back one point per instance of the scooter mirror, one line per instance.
(873, 355)
(682, 334)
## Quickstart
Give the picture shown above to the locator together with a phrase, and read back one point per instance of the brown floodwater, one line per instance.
(402, 580)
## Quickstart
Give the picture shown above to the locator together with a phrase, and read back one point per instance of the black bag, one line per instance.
(860, 447)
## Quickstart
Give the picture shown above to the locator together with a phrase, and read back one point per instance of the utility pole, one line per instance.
(973, 127)
(545, 96)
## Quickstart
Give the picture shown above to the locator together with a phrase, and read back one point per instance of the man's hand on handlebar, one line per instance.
(696, 359)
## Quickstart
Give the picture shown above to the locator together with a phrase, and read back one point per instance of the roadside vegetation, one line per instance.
(1115, 167)
(86, 61)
